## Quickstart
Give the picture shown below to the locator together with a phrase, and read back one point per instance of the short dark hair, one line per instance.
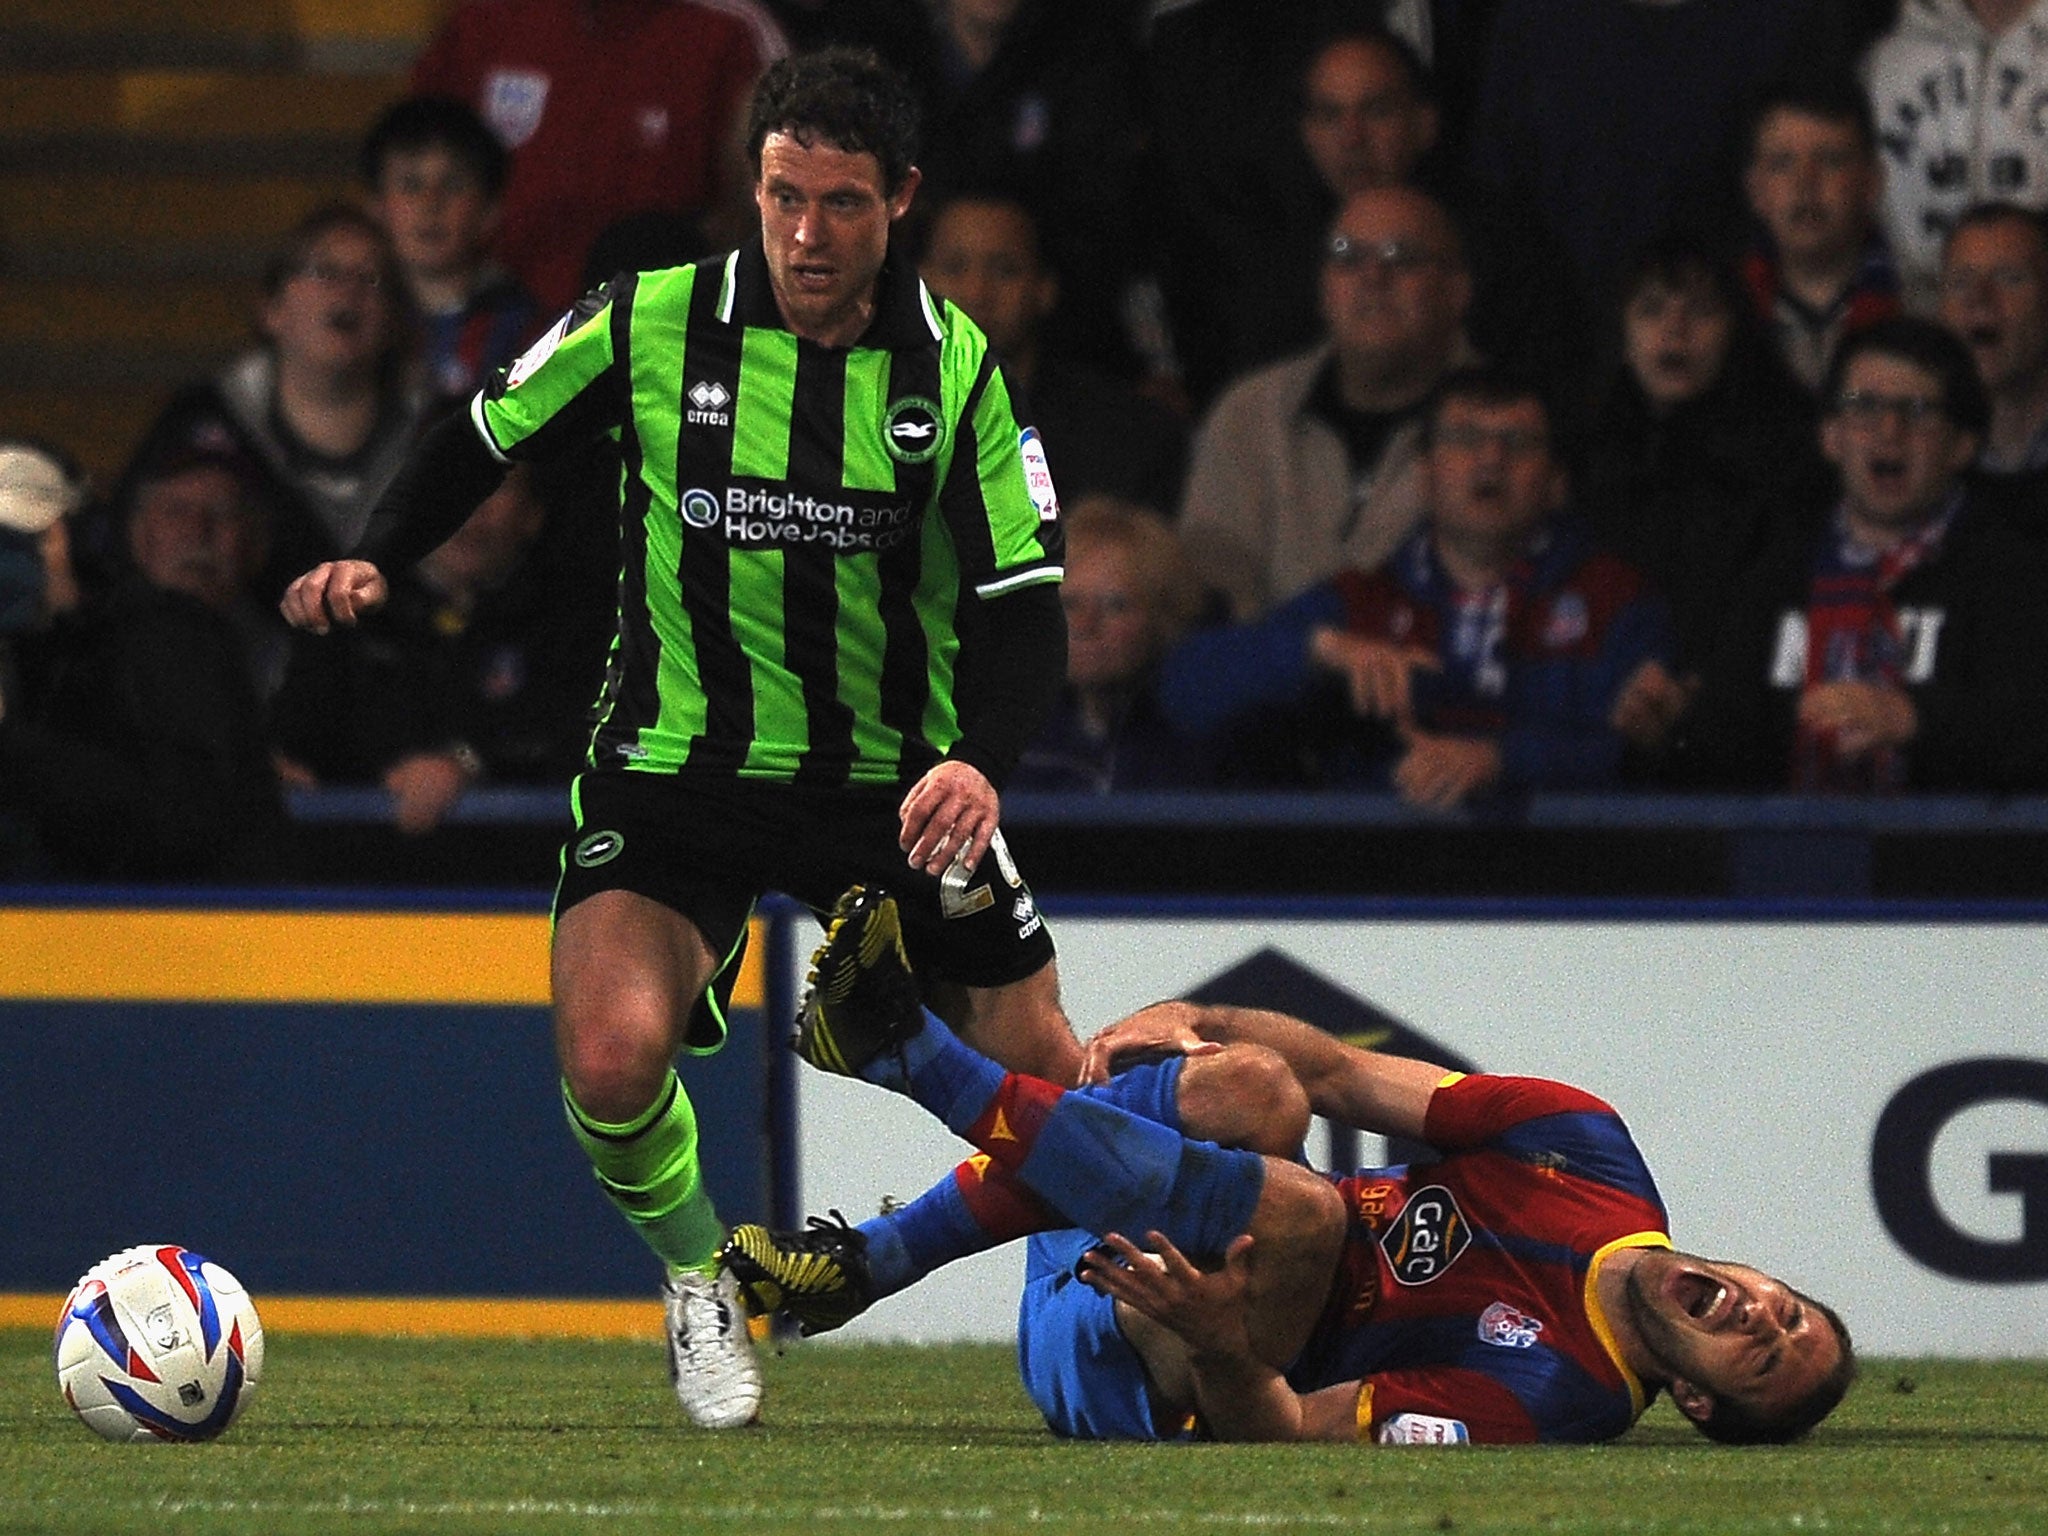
(1493, 386)
(1926, 345)
(1732, 1424)
(846, 96)
(296, 248)
(435, 122)
(1833, 96)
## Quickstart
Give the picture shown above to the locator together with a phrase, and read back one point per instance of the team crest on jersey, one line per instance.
(524, 365)
(513, 102)
(912, 431)
(1427, 1237)
(699, 507)
(1509, 1327)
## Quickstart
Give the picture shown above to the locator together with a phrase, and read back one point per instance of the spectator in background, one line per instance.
(1994, 295)
(608, 108)
(1040, 97)
(1129, 597)
(1314, 465)
(324, 408)
(1700, 455)
(135, 747)
(981, 250)
(1229, 189)
(1603, 122)
(436, 176)
(1905, 646)
(468, 671)
(1820, 266)
(1486, 656)
(1956, 86)
(40, 487)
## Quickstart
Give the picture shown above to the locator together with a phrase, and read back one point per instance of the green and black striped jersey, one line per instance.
(806, 531)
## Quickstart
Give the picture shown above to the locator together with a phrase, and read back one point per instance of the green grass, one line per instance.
(365, 1436)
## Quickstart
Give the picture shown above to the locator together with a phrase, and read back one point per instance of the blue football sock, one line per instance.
(941, 1072)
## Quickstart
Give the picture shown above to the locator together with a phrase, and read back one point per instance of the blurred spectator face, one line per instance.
(488, 547)
(1394, 289)
(1994, 295)
(437, 213)
(196, 532)
(1675, 337)
(1813, 185)
(1361, 121)
(1898, 454)
(1111, 633)
(332, 313)
(1493, 477)
(984, 257)
(825, 218)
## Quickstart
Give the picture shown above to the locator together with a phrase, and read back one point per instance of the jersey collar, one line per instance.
(906, 314)
(1639, 1397)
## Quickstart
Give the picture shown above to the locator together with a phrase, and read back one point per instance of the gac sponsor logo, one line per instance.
(1427, 1237)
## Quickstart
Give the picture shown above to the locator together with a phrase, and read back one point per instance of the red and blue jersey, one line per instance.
(1464, 1301)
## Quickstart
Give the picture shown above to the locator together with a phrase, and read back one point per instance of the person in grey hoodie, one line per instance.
(1960, 92)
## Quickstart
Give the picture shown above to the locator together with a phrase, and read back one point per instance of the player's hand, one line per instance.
(948, 817)
(1205, 1307)
(338, 592)
(1862, 717)
(1161, 1030)
(1440, 772)
(1376, 672)
(424, 789)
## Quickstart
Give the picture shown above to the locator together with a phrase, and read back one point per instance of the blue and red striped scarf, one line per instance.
(1853, 635)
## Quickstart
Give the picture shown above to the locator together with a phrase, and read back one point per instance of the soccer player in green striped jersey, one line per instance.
(839, 624)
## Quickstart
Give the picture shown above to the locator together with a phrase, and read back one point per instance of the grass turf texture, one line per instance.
(375, 1435)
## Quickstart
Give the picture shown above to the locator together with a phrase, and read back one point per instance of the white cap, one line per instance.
(35, 490)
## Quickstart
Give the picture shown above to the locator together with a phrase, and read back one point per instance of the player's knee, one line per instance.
(1245, 1096)
(614, 1071)
(1301, 1214)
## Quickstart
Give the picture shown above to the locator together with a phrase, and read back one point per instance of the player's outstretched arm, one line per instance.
(337, 592)
(1387, 1095)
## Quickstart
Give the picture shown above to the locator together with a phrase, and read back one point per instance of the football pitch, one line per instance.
(373, 1435)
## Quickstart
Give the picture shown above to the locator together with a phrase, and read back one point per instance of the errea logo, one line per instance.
(708, 401)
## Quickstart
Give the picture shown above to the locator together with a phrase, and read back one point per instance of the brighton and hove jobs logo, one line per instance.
(776, 517)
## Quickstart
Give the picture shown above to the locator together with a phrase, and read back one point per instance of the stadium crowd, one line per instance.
(1451, 397)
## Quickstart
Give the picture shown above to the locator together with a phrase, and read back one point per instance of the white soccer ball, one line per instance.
(157, 1343)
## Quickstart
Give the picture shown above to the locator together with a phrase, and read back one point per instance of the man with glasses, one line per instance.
(1994, 295)
(1313, 465)
(1487, 653)
(1904, 644)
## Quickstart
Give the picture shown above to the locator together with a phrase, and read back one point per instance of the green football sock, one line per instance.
(648, 1166)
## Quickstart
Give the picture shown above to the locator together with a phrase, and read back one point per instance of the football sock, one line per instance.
(648, 1166)
(1094, 1162)
(975, 1207)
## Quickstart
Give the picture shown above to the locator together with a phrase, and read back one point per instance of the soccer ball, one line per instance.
(157, 1343)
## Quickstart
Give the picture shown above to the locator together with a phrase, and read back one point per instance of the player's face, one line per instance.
(825, 219)
(984, 257)
(1730, 1332)
(1994, 294)
(1110, 634)
(1492, 474)
(437, 213)
(1898, 453)
(1676, 339)
(332, 314)
(1393, 293)
(1360, 120)
(1813, 185)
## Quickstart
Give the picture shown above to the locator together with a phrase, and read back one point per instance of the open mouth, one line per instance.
(1703, 1298)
